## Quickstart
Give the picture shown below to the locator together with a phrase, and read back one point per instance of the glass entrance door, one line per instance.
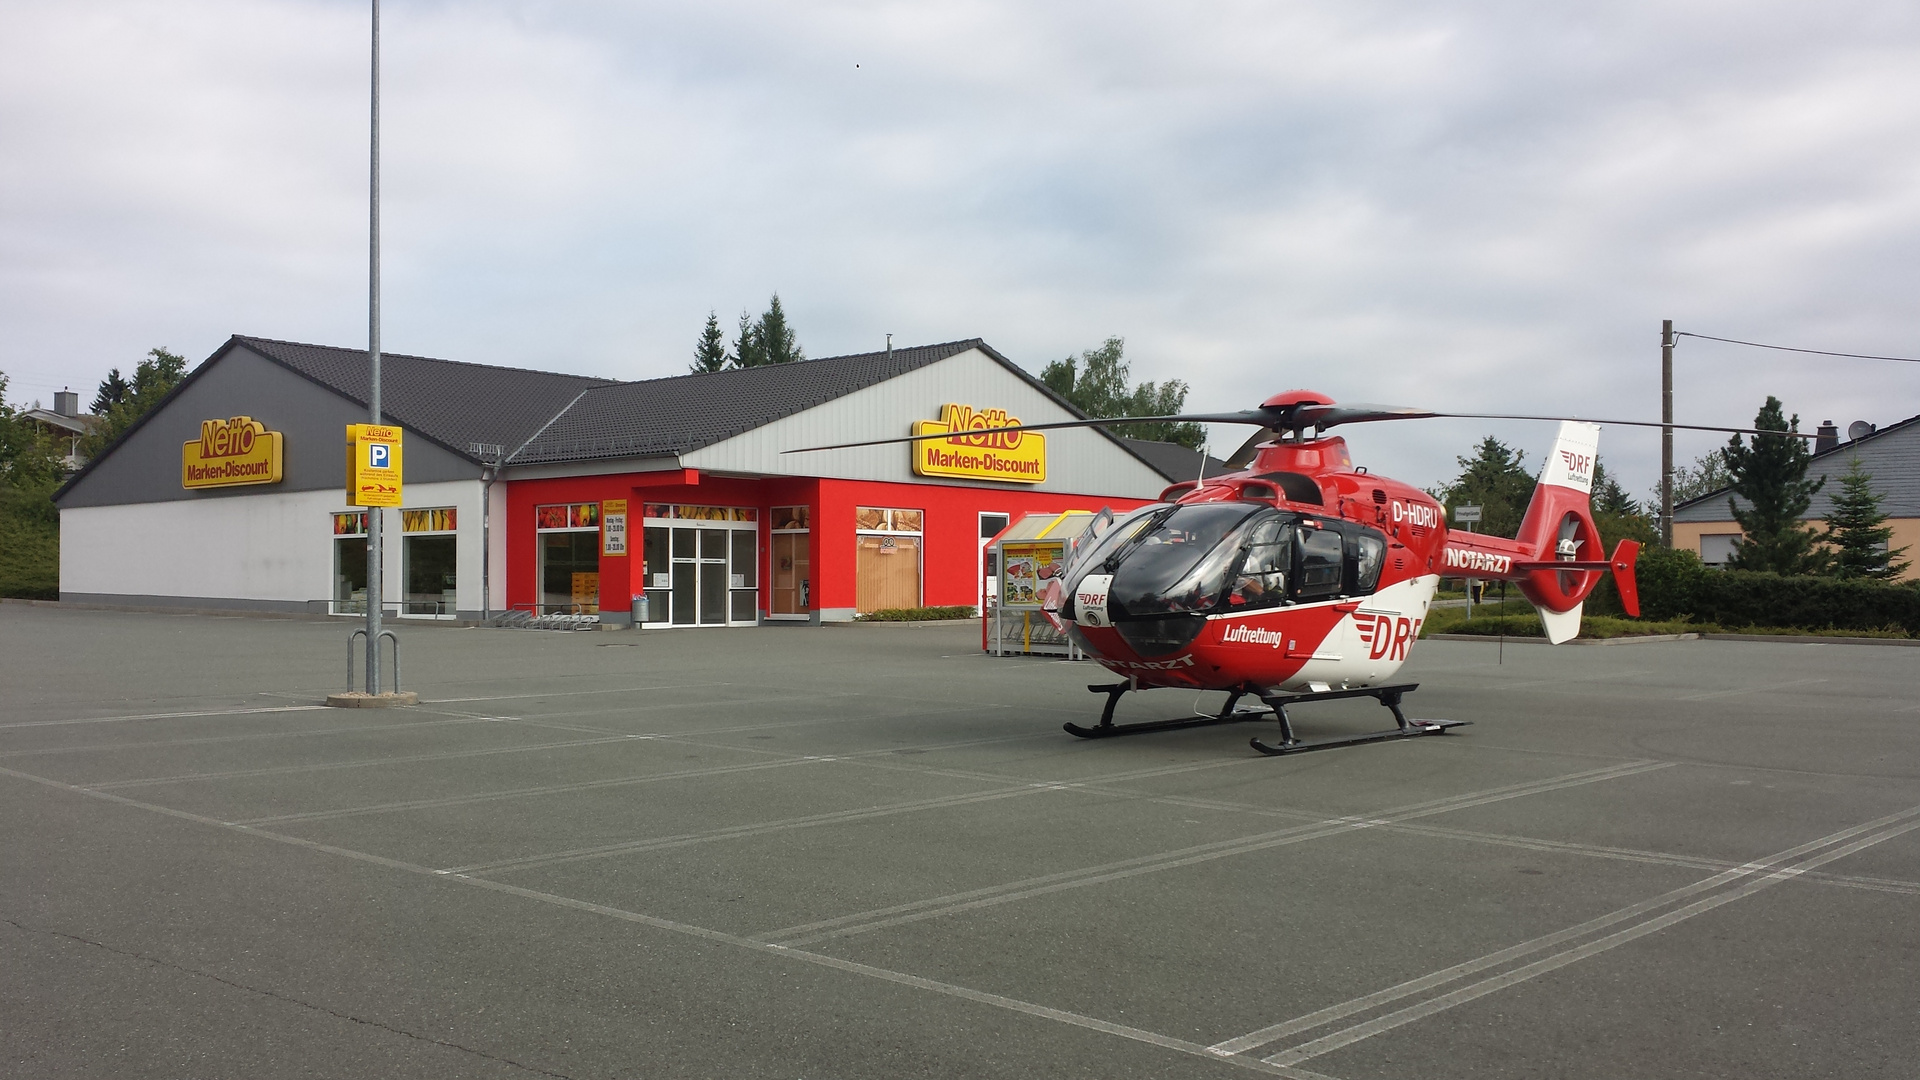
(701, 572)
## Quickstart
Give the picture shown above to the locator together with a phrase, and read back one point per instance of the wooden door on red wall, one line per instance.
(887, 573)
(792, 592)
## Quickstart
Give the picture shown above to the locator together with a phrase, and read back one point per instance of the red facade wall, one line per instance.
(950, 547)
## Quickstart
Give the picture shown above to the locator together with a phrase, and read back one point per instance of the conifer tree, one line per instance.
(1858, 531)
(747, 349)
(710, 353)
(1771, 475)
(1495, 479)
(114, 390)
(778, 345)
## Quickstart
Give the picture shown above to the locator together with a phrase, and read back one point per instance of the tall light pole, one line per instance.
(375, 594)
(1666, 432)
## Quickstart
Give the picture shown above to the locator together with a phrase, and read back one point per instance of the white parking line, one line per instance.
(898, 978)
(163, 744)
(936, 907)
(1737, 691)
(1901, 821)
(326, 766)
(159, 716)
(579, 693)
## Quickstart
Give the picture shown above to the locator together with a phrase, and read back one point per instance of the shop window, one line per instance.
(887, 563)
(350, 563)
(429, 561)
(569, 547)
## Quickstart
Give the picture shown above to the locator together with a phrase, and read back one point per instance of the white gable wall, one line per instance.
(1079, 461)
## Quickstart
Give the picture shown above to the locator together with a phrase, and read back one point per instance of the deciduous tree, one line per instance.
(153, 379)
(29, 462)
(1096, 384)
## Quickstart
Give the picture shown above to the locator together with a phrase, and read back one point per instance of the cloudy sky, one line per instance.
(1468, 206)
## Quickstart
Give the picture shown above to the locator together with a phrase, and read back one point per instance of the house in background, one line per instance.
(64, 423)
(1891, 455)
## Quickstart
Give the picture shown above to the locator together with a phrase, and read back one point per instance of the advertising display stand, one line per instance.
(1030, 557)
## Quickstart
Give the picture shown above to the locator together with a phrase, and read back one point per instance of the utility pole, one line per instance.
(375, 594)
(1666, 432)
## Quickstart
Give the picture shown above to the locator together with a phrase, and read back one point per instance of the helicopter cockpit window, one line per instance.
(1319, 559)
(1180, 563)
(1098, 547)
(1262, 580)
(1369, 552)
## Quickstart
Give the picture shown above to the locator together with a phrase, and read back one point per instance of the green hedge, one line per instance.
(918, 614)
(1674, 584)
(29, 546)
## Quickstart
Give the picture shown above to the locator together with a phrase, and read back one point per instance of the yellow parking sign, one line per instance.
(373, 465)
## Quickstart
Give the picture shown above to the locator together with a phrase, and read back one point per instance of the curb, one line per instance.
(1814, 639)
(1636, 639)
(1629, 639)
(359, 699)
(239, 613)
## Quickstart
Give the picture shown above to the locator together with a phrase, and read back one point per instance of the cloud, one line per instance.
(1479, 206)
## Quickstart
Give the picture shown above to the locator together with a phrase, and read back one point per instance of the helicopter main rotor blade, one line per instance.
(1631, 423)
(1262, 417)
(1279, 419)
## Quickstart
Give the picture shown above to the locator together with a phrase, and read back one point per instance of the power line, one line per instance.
(1789, 348)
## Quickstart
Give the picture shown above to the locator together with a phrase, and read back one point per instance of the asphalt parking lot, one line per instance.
(870, 852)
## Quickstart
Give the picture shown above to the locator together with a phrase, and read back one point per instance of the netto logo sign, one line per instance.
(232, 453)
(1019, 457)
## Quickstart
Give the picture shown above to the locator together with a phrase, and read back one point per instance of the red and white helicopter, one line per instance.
(1297, 577)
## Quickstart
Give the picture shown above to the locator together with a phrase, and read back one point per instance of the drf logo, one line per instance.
(1388, 637)
(379, 456)
(1579, 466)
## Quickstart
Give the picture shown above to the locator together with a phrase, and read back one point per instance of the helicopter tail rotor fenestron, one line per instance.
(1568, 554)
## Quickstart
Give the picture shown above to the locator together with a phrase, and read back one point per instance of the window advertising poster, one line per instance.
(613, 527)
(1030, 573)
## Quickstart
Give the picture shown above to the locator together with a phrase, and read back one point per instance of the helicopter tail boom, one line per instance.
(1557, 558)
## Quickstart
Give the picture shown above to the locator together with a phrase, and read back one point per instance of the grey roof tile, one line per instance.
(1171, 460)
(451, 402)
(686, 412)
(1891, 457)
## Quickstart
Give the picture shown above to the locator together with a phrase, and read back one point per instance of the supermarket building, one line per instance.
(671, 500)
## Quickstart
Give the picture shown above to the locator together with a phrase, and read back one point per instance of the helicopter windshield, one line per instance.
(1180, 560)
(1099, 542)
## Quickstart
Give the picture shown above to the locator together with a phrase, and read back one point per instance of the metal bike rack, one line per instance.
(361, 635)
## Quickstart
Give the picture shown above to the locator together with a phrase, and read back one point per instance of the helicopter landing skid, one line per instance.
(1107, 728)
(1388, 695)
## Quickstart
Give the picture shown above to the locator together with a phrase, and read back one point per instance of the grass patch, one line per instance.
(29, 546)
(1518, 619)
(918, 614)
(1897, 633)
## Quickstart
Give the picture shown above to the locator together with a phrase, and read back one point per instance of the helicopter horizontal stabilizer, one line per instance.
(1620, 565)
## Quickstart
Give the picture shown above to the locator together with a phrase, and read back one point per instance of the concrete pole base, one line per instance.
(360, 699)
